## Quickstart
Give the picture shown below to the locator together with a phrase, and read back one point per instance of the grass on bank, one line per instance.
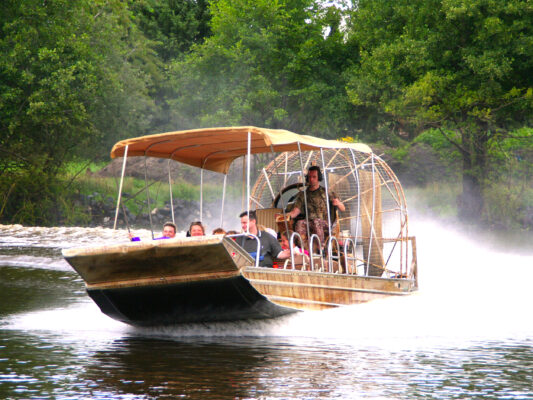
(508, 203)
(90, 187)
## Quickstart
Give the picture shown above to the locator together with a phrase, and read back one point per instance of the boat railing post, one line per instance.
(258, 252)
(313, 254)
(329, 244)
(119, 198)
(291, 244)
(248, 234)
(346, 258)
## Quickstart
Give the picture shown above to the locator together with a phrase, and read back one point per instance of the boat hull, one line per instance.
(306, 290)
(211, 279)
(209, 300)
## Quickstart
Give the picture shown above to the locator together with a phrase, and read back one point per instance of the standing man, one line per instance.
(317, 210)
(269, 246)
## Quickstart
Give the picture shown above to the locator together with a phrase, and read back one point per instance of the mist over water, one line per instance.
(467, 333)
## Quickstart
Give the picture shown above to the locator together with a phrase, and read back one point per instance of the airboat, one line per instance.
(367, 255)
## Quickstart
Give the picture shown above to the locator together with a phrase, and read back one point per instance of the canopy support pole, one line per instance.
(373, 214)
(120, 188)
(170, 189)
(201, 193)
(330, 230)
(243, 181)
(327, 189)
(148, 196)
(356, 176)
(305, 199)
(248, 152)
(283, 205)
(223, 200)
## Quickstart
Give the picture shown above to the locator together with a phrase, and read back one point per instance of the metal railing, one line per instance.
(343, 251)
(250, 235)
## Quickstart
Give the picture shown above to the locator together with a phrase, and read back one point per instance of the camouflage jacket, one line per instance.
(316, 203)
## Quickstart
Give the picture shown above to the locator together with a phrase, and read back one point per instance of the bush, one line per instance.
(509, 206)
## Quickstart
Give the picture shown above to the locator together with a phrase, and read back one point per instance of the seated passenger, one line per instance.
(285, 240)
(196, 229)
(169, 231)
(219, 231)
(301, 257)
(232, 233)
(268, 245)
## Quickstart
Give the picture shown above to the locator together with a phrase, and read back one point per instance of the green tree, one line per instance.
(72, 80)
(275, 63)
(173, 26)
(460, 66)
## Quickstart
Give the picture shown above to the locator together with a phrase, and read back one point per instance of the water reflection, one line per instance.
(136, 367)
(194, 368)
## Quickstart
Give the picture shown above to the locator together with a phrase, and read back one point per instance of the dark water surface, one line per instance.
(467, 334)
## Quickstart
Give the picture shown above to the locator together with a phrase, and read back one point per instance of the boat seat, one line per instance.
(267, 217)
(298, 262)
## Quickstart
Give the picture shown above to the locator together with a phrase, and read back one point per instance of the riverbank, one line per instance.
(436, 201)
(85, 193)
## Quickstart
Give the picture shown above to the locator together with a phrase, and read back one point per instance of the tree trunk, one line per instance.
(470, 202)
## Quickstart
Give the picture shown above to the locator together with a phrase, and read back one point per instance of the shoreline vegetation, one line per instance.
(443, 91)
(432, 185)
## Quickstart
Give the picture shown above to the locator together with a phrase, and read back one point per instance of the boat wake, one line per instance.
(26, 261)
(80, 322)
(467, 293)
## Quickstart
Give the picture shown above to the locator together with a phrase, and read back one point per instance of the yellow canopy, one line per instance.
(216, 148)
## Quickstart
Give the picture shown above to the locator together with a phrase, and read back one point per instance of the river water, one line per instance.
(467, 334)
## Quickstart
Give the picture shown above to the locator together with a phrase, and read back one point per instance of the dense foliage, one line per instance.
(463, 67)
(72, 77)
(268, 63)
(452, 76)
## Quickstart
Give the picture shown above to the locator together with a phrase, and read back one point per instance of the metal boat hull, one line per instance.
(306, 290)
(211, 279)
(212, 300)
